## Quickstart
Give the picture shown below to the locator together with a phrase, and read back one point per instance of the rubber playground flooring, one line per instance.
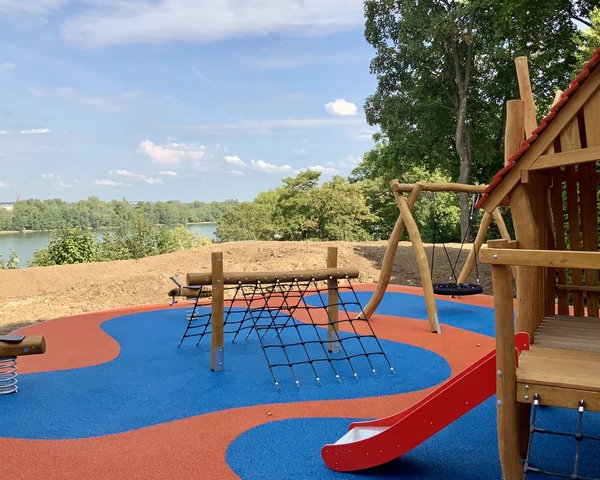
(114, 398)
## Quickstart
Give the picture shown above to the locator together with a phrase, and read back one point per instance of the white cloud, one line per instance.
(235, 161)
(6, 66)
(264, 127)
(295, 60)
(64, 184)
(348, 162)
(115, 104)
(262, 166)
(167, 173)
(237, 173)
(31, 7)
(137, 177)
(4, 184)
(4, 132)
(160, 21)
(47, 176)
(322, 169)
(106, 182)
(342, 108)
(35, 131)
(172, 153)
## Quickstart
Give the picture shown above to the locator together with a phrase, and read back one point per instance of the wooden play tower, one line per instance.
(550, 182)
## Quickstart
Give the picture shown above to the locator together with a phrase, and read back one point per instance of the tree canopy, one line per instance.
(445, 70)
(94, 213)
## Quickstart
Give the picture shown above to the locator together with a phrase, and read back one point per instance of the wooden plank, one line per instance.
(556, 205)
(507, 411)
(580, 288)
(581, 333)
(250, 278)
(536, 178)
(582, 155)
(570, 140)
(422, 263)
(546, 138)
(558, 397)
(540, 258)
(389, 256)
(560, 367)
(574, 233)
(531, 220)
(588, 195)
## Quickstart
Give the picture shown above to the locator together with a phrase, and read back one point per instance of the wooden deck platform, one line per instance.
(563, 364)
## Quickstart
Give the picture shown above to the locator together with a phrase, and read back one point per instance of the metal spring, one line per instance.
(8, 375)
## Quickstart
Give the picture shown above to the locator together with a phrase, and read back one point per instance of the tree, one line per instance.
(444, 72)
(248, 221)
(291, 215)
(340, 212)
(300, 210)
(68, 245)
(590, 40)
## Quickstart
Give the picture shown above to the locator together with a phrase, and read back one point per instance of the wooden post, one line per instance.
(514, 131)
(472, 257)
(332, 304)
(506, 408)
(390, 253)
(216, 339)
(526, 94)
(421, 256)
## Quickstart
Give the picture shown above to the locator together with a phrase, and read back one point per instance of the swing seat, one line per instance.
(457, 289)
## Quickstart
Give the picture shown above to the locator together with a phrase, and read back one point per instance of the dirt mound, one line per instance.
(33, 294)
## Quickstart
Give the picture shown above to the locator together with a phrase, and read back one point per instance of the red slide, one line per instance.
(371, 443)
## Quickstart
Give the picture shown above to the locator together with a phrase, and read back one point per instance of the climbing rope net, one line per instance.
(578, 438)
(301, 324)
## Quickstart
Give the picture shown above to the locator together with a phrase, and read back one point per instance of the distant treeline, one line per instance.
(95, 213)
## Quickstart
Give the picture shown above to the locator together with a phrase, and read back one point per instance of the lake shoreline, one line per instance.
(25, 242)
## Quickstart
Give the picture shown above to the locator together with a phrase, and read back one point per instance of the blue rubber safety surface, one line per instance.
(466, 449)
(468, 317)
(152, 381)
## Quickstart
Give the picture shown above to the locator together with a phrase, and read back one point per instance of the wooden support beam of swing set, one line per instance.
(437, 187)
(406, 204)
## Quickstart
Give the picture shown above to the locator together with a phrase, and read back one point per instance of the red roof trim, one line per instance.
(564, 98)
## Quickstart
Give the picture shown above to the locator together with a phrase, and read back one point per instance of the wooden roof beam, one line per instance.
(590, 154)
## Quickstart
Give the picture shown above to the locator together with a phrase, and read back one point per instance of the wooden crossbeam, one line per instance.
(573, 157)
(251, 278)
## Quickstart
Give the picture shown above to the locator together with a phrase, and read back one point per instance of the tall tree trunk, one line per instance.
(462, 77)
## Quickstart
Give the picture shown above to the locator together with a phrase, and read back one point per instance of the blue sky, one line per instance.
(178, 99)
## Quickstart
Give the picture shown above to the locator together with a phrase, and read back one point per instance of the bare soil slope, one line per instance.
(34, 294)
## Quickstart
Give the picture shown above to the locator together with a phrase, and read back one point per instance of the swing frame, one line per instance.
(453, 288)
(406, 196)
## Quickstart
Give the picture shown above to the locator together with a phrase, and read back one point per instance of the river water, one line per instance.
(25, 243)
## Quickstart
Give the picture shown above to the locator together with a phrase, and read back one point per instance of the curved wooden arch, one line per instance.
(406, 204)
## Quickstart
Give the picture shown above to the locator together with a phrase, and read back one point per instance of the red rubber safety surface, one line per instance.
(195, 447)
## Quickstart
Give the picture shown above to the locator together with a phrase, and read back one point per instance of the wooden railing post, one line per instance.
(506, 373)
(216, 340)
(332, 304)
